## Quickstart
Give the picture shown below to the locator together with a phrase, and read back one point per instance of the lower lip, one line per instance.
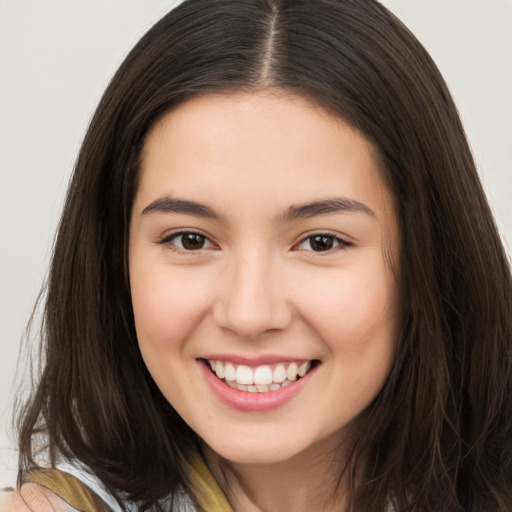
(254, 402)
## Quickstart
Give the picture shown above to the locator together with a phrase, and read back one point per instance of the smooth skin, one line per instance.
(225, 259)
(33, 498)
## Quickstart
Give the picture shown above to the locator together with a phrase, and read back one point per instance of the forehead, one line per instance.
(280, 146)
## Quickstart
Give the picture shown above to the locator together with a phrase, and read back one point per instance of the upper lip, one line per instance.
(256, 361)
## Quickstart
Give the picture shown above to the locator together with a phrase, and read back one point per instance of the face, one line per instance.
(264, 302)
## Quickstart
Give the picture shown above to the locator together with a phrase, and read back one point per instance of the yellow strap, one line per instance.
(206, 489)
(66, 486)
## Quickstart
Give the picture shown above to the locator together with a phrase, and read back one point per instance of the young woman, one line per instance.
(277, 284)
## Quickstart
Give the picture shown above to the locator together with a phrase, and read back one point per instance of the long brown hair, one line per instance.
(439, 435)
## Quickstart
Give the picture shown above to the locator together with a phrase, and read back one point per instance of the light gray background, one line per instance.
(56, 57)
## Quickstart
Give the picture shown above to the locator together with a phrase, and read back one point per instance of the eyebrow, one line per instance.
(169, 204)
(324, 207)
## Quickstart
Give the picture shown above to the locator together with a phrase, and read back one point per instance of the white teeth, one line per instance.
(263, 375)
(219, 370)
(304, 368)
(229, 371)
(291, 372)
(279, 373)
(244, 375)
(260, 379)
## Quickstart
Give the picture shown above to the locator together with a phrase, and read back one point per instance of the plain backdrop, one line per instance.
(56, 57)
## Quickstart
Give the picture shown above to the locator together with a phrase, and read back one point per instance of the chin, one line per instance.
(263, 452)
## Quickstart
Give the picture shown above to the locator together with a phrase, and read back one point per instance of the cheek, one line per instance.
(167, 304)
(354, 310)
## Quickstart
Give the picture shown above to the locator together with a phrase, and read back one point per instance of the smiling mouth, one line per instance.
(260, 379)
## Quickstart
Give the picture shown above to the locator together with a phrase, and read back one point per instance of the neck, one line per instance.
(302, 483)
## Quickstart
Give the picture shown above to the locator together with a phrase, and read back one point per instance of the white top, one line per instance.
(82, 473)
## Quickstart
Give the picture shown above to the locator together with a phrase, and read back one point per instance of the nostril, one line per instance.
(251, 321)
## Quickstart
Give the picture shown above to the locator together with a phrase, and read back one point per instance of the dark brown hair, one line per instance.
(439, 435)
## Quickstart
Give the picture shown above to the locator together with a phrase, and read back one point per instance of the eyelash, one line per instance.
(339, 243)
(168, 240)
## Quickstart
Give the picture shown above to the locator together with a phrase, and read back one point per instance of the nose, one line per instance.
(252, 297)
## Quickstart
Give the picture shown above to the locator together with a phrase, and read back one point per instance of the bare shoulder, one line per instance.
(32, 498)
(11, 501)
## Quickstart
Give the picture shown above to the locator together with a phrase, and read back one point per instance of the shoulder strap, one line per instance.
(207, 492)
(66, 486)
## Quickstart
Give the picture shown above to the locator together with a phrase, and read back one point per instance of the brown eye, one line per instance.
(190, 241)
(321, 243)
